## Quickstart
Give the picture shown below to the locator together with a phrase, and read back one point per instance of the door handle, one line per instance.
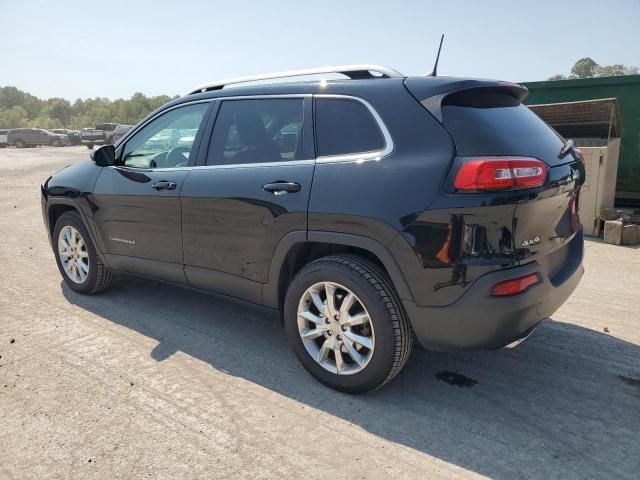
(280, 188)
(164, 185)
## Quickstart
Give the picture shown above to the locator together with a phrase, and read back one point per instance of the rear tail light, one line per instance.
(500, 174)
(514, 286)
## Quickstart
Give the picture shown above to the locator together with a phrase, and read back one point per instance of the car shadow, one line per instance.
(565, 404)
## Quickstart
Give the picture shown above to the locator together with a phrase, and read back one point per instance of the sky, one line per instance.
(115, 48)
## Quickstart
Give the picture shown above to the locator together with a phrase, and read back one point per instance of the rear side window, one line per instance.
(490, 123)
(344, 127)
(257, 131)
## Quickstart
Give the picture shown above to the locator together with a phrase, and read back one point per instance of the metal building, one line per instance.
(567, 106)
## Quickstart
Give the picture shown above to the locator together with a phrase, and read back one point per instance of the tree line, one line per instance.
(588, 68)
(20, 109)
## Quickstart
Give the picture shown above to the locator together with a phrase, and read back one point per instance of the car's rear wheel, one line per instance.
(346, 324)
(76, 256)
(90, 146)
(19, 143)
(56, 143)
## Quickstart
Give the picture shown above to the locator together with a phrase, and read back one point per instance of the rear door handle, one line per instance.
(280, 188)
(164, 185)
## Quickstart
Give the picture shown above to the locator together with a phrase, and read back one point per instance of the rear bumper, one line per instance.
(478, 321)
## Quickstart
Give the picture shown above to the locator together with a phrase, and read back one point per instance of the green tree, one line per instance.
(60, 110)
(13, 117)
(588, 68)
(584, 68)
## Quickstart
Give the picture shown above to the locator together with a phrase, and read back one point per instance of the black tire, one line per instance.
(99, 277)
(19, 143)
(56, 143)
(90, 146)
(3, 145)
(393, 334)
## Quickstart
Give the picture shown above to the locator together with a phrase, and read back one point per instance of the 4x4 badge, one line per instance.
(533, 241)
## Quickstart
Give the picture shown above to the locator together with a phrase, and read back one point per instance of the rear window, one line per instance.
(497, 124)
(344, 127)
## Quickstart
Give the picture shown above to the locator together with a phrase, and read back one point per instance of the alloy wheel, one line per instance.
(335, 328)
(73, 254)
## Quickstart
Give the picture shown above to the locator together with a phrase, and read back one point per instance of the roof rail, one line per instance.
(351, 71)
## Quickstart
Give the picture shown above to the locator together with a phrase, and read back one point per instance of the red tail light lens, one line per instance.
(500, 174)
(514, 286)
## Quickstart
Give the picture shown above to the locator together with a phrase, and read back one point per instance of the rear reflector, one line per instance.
(514, 286)
(500, 174)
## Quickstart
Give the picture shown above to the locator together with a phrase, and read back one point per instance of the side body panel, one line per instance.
(136, 220)
(378, 198)
(231, 225)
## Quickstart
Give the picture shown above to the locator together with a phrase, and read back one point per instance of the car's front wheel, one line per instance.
(345, 323)
(76, 256)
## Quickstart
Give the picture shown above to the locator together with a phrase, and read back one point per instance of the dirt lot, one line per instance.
(151, 381)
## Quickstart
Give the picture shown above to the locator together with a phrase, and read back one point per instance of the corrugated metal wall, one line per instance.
(627, 90)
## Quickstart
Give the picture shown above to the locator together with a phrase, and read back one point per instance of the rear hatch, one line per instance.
(487, 121)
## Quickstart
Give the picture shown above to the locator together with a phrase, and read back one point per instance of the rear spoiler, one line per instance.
(431, 92)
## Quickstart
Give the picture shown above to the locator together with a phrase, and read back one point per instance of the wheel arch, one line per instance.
(57, 207)
(297, 249)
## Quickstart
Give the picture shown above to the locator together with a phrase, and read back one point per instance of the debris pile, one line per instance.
(620, 227)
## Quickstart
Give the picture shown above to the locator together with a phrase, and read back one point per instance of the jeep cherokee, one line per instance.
(369, 210)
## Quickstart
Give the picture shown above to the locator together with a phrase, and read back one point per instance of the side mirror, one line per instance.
(104, 156)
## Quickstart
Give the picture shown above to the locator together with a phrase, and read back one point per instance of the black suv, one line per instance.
(370, 211)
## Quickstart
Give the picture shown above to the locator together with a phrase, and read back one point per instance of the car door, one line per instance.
(251, 190)
(137, 204)
(31, 136)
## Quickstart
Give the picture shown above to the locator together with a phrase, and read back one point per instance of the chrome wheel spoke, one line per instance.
(337, 352)
(68, 267)
(317, 301)
(330, 289)
(353, 353)
(355, 338)
(314, 332)
(327, 346)
(347, 303)
(307, 315)
(354, 320)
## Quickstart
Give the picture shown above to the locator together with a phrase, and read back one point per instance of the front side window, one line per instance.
(257, 131)
(166, 141)
(345, 127)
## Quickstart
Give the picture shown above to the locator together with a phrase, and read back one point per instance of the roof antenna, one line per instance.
(434, 72)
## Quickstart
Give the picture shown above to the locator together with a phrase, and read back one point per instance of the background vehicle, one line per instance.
(101, 135)
(33, 137)
(3, 137)
(73, 136)
(368, 211)
(119, 132)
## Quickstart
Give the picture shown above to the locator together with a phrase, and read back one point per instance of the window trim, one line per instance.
(122, 141)
(303, 161)
(352, 157)
(361, 156)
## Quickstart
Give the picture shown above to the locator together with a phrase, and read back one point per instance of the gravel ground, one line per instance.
(150, 381)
